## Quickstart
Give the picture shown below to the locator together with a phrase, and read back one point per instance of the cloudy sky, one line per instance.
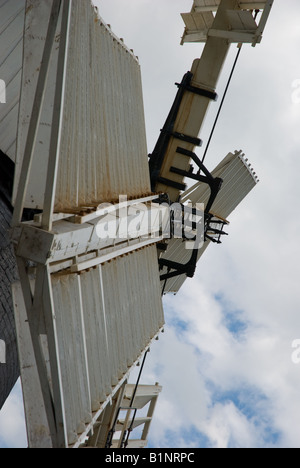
(225, 359)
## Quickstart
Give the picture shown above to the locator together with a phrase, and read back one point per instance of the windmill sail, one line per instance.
(98, 243)
(72, 161)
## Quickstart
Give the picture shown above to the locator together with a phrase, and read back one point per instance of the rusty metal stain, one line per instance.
(103, 148)
(28, 9)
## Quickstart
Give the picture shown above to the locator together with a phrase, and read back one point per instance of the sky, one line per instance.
(230, 374)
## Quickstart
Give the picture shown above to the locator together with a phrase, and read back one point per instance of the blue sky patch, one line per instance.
(187, 438)
(233, 318)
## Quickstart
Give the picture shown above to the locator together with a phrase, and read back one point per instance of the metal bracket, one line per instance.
(157, 157)
(212, 232)
(200, 91)
(213, 228)
(188, 268)
(171, 183)
(215, 183)
(177, 229)
(181, 136)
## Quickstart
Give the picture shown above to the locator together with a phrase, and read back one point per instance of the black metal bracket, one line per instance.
(200, 91)
(171, 183)
(179, 221)
(213, 226)
(178, 225)
(215, 183)
(156, 160)
(157, 157)
(213, 231)
(188, 268)
(181, 136)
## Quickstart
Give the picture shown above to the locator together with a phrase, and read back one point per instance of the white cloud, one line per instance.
(12, 423)
(227, 424)
(205, 367)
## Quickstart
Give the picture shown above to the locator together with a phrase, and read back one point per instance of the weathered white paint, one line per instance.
(11, 50)
(100, 334)
(97, 160)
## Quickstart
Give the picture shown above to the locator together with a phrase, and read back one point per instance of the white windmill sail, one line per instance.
(91, 261)
(81, 142)
(96, 162)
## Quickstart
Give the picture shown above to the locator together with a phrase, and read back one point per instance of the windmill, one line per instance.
(99, 232)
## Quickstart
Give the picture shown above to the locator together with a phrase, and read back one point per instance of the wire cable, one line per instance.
(222, 102)
(126, 436)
